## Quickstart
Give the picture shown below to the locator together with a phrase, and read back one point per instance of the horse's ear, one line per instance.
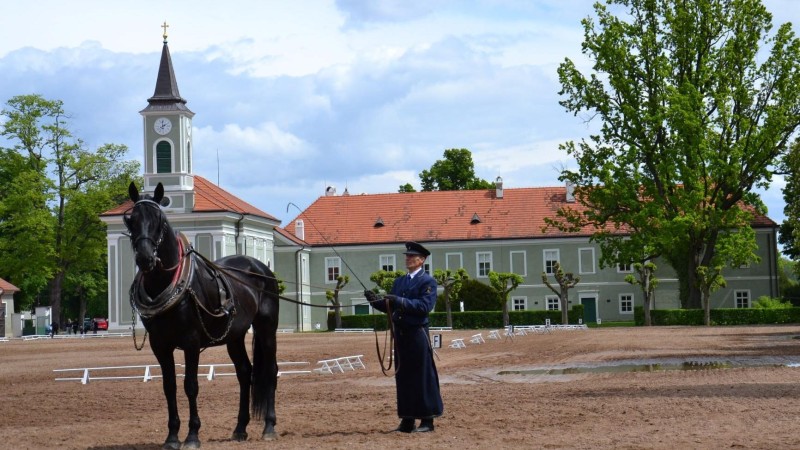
(133, 192)
(158, 195)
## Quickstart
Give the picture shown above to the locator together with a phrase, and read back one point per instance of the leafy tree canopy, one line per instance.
(455, 172)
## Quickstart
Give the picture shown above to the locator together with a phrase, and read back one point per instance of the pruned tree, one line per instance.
(645, 278)
(697, 102)
(504, 283)
(385, 279)
(565, 281)
(333, 297)
(451, 283)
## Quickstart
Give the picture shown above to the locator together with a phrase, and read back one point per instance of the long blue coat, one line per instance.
(416, 378)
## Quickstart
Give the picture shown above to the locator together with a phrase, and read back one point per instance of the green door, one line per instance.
(589, 309)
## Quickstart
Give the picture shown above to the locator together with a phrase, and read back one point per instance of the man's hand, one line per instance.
(371, 296)
(391, 300)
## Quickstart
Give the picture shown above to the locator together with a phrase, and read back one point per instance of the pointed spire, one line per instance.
(166, 96)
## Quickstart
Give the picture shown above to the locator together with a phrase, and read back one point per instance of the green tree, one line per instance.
(406, 188)
(565, 281)
(333, 297)
(84, 184)
(477, 296)
(451, 283)
(385, 279)
(504, 283)
(694, 116)
(453, 173)
(26, 227)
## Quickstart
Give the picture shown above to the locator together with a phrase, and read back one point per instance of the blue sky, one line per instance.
(297, 96)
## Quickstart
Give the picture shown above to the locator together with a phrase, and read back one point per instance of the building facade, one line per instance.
(501, 230)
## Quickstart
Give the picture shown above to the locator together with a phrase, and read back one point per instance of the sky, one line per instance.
(294, 96)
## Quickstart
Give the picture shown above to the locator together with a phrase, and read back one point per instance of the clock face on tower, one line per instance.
(162, 125)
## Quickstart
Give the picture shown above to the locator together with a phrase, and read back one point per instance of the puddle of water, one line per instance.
(628, 367)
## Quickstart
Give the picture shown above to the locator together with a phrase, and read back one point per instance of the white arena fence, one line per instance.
(210, 372)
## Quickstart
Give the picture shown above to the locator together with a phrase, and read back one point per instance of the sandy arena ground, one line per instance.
(755, 404)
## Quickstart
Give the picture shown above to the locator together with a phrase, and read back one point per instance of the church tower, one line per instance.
(168, 139)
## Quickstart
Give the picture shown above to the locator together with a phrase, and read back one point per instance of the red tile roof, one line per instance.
(438, 216)
(208, 197)
(8, 287)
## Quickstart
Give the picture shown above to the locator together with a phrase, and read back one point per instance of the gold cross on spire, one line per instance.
(165, 26)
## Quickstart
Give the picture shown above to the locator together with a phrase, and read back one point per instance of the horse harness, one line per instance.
(180, 287)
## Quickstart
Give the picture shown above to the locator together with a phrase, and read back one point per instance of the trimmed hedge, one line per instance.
(464, 320)
(722, 316)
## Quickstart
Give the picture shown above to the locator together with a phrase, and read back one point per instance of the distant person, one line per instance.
(94, 326)
(53, 329)
(75, 326)
(411, 299)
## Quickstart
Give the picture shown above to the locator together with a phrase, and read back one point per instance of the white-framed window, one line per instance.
(453, 261)
(519, 262)
(745, 265)
(624, 267)
(586, 260)
(742, 298)
(387, 262)
(427, 266)
(550, 257)
(626, 303)
(553, 303)
(333, 267)
(519, 303)
(484, 261)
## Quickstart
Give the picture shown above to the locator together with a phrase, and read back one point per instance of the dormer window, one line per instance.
(475, 219)
(378, 222)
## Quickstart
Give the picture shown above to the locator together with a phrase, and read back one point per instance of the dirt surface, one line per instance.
(751, 402)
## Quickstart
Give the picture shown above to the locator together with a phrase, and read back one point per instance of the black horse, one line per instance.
(190, 303)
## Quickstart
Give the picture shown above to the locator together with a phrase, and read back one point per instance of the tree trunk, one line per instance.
(505, 314)
(447, 308)
(707, 307)
(564, 298)
(55, 296)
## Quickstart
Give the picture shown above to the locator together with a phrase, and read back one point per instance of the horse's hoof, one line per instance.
(270, 436)
(171, 445)
(239, 437)
(191, 444)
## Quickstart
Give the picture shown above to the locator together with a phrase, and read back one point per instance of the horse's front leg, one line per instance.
(238, 353)
(190, 386)
(167, 362)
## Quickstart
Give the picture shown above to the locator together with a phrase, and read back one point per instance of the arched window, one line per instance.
(163, 157)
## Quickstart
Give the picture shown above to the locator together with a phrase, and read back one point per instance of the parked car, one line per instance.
(88, 324)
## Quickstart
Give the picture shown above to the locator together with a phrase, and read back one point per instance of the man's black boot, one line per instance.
(425, 426)
(406, 426)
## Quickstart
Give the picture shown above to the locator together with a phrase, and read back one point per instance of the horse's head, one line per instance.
(147, 225)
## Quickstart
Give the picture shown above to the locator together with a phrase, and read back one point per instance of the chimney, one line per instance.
(498, 184)
(570, 191)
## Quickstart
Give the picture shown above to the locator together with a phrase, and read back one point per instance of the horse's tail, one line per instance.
(265, 364)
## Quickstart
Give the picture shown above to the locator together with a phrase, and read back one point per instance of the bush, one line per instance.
(722, 316)
(765, 302)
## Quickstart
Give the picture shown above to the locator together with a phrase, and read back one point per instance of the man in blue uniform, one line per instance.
(411, 299)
